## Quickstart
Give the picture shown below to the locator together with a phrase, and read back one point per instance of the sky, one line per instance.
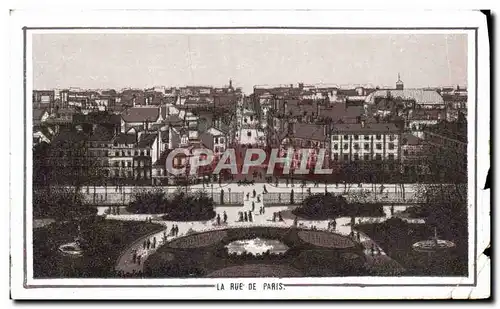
(135, 60)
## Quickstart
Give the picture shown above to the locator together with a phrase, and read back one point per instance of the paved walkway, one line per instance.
(125, 262)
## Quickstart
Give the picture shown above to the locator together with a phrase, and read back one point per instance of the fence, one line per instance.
(105, 198)
(297, 198)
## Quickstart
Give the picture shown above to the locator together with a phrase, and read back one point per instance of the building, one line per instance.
(366, 142)
(414, 152)
(40, 115)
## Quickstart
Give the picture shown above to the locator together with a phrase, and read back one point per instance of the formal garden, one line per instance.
(445, 214)
(308, 253)
(101, 241)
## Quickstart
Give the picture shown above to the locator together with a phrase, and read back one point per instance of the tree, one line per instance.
(152, 201)
(322, 206)
(445, 207)
(62, 204)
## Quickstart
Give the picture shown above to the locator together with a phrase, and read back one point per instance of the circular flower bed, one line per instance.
(206, 254)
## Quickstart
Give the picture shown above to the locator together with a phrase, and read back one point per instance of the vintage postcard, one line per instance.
(250, 155)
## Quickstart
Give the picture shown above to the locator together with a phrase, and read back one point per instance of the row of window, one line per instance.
(123, 153)
(356, 146)
(219, 140)
(366, 157)
(356, 137)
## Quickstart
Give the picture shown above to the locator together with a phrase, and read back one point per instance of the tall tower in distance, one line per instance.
(399, 83)
(231, 84)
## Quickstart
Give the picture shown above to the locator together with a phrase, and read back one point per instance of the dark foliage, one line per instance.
(181, 207)
(61, 204)
(328, 206)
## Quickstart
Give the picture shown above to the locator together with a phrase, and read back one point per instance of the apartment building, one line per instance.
(365, 142)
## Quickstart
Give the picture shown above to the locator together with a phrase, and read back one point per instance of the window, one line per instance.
(379, 146)
(367, 146)
(123, 163)
(391, 156)
(405, 152)
(367, 137)
(136, 153)
(216, 140)
(391, 146)
(356, 157)
(356, 146)
(391, 137)
(249, 134)
(378, 156)
(346, 136)
(148, 152)
(366, 157)
(251, 118)
(378, 136)
(335, 156)
(123, 153)
(346, 146)
(129, 164)
(106, 153)
(336, 146)
(356, 137)
(117, 153)
(346, 157)
(221, 140)
(335, 137)
(116, 164)
(142, 153)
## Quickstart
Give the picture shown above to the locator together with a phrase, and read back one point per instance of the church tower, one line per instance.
(399, 83)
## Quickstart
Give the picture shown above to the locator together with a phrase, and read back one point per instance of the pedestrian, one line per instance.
(392, 210)
(253, 206)
(148, 244)
(164, 236)
(258, 198)
(265, 189)
(279, 216)
(295, 221)
(225, 217)
(254, 193)
(240, 219)
(246, 217)
(176, 230)
(250, 217)
(329, 225)
(172, 230)
(248, 196)
(154, 242)
(139, 260)
(218, 219)
(144, 244)
(263, 209)
(358, 237)
(334, 224)
(274, 216)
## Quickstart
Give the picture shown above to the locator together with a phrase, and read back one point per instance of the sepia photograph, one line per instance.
(252, 159)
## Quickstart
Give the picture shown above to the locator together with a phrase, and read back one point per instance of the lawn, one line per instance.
(397, 240)
(110, 238)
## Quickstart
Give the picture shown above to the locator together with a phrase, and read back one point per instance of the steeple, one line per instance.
(230, 84)
(399, 83)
